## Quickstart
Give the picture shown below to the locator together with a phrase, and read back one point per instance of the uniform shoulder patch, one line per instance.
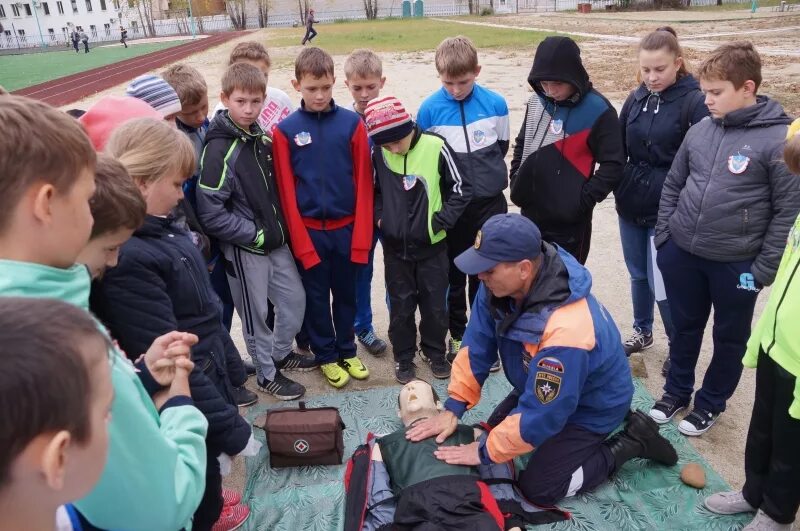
(551, 364)
(547, 386)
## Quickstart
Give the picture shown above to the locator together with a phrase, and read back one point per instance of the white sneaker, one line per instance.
(731, 502)
(762, 522)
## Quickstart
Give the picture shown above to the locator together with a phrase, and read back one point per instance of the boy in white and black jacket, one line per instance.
(726, 209)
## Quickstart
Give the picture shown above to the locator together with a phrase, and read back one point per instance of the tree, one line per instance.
(303, 6)
(237, 13)
(371, 9)
(263, 12)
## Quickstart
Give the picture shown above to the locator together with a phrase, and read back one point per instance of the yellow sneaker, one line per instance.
(336, 375)
(355, 367)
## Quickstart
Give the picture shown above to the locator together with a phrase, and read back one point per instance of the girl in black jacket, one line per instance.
(161, 283)
(654, 120)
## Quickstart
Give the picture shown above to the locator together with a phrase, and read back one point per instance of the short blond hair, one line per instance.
(39, 144)
(363, 63)
(188, 82)
(150, 149)
(245, 77)
(791, 153)
(249, 51)
(456, 56)
(736, 62)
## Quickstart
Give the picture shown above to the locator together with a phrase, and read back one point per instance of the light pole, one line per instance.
(36, 5)
(191, 19)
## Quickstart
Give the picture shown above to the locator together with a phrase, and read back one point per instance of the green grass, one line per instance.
(738, 7)
(402, 35)
(20, 71)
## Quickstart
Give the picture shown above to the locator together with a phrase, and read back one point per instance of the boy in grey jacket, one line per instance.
(726, 209)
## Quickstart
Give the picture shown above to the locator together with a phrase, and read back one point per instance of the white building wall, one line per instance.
(56, 19)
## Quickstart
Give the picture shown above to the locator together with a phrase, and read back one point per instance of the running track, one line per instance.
(74, 87)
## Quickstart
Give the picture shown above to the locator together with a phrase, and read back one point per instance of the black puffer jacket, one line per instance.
(161, 284)
(653, 127)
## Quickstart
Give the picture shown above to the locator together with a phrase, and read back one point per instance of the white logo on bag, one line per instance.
(301, 446)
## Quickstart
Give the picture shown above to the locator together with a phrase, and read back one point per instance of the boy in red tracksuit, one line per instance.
(324, 177)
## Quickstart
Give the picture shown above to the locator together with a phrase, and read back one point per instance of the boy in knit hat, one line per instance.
(157, 93)
(419, 194)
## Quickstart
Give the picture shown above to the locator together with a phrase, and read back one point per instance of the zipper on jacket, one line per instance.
(189, 269)
(778, 307)
(708, 184)
(405, 213)
(269, 193)
(322, 181)
(745, 221)
(464, 127)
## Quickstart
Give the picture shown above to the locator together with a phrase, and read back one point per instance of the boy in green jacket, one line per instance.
(771, 459)
(154, 476)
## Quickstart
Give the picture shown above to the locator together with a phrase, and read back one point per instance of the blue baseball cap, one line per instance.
(503, 238)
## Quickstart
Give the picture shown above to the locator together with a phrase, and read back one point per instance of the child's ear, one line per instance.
(477, 70)
(43, 202)
(383, 80)
(54, 459)
(296, 85)
(750, 87)
(223, 98)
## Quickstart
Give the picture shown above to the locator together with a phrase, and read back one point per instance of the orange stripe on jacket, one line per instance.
(505, 442)
(463, 385)
(570, 326)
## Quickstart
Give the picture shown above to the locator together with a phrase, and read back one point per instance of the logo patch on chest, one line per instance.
(557, 126)
(302, 138)
(409, 181)
(479, 137)
(738, 163)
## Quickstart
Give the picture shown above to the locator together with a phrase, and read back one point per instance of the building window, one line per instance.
(135, 26)
(107, 29)
(74, 6)
(116, 5)
(28, 10)
(103, 5)
(22, 36)
(2, 12)
(15, 9)
(88, 6)
(60, 7)
(46, 8)
(93, 30)
(52, 34)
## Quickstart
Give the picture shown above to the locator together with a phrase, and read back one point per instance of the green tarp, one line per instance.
(642, 496)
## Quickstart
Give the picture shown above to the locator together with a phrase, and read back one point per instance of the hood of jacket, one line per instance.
(561, 280)
(559, 59)
(677, 90)
(764, 113)
(222, 126)
(25, 279)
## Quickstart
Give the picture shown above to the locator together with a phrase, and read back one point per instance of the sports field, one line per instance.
(20, 71)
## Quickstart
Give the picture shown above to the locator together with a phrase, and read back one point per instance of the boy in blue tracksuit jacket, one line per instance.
(325, 182)
(474, 122)
(561, 352)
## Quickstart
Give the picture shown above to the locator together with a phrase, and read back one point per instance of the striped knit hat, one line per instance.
(387, 120)
(156, 92)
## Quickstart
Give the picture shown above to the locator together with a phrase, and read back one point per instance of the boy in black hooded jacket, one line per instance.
(569, 128)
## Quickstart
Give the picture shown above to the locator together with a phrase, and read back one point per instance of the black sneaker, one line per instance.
(297, 362)
(281, 387)
(249, 367)
(666, 408)
(374, 345)
(495, 366)
(440, 369)
(404, 371)
(697, 422)
(665, 368)
(244, 397)
(638, 342)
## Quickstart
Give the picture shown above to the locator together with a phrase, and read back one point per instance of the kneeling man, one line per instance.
(563, 354)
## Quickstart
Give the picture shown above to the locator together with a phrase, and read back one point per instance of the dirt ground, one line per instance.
(611, 65)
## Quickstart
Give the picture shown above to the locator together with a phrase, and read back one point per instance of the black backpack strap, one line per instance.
(690, 101)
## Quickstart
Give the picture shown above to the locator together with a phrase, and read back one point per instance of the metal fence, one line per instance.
(13, 41)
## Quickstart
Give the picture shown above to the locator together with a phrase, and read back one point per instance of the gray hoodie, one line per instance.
(728, 196)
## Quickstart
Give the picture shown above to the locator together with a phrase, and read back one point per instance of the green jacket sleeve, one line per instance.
(155, 472)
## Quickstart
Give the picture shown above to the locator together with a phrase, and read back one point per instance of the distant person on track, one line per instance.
(76, 38)
(85, 41)
(123, 36)
(310, 31)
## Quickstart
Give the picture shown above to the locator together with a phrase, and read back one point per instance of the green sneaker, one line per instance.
(453, 346)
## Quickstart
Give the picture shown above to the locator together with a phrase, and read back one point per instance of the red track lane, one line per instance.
(74, 87)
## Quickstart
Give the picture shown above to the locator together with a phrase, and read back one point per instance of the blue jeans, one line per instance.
(639, 260)
(363, 322)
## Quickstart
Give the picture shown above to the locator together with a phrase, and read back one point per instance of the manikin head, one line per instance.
(417, 400)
